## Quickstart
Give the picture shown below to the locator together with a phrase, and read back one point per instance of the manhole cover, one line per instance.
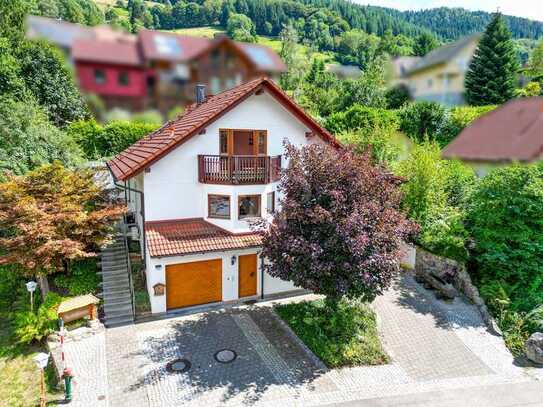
(178, 366)
(225, 356)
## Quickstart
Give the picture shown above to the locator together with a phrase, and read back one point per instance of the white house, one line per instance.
(196, 183)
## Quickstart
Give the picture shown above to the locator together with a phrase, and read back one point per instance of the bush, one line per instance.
(148, 117)
(379, 141)
(459, 118)
(422, 120)
(397, 97)
(433, 193)
(99, 141)
(505, 221)
(34, 326)
(362, 118)
(29, 139)
(82, 279)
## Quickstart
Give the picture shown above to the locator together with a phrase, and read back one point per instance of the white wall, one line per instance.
(172, 190)
(230, 279)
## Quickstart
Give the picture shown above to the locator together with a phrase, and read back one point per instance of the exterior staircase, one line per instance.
(117, 290)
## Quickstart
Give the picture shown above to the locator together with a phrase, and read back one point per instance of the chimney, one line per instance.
(200, 94)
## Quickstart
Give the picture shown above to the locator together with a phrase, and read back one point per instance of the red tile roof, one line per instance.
(159, 45)
(182, 47)
(513, 132)
(157, 144)
(189, 236)
(123, 52)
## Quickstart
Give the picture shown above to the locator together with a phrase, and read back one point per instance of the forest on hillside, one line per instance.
(352, 33)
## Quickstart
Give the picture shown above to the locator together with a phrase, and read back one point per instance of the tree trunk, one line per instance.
(44, 285)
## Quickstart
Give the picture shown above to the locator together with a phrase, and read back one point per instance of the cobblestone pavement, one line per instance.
(85, 354)
(433, 346)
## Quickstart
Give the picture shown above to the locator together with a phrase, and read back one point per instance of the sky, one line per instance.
(532, 9)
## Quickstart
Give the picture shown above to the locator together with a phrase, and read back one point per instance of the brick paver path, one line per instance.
(433, 346)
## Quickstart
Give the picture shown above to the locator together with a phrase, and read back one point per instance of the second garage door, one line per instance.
(193, 283)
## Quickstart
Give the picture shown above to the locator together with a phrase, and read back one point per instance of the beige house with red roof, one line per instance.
(197, 183)
(511, 133)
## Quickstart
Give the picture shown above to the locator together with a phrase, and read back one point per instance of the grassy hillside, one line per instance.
(272, 42)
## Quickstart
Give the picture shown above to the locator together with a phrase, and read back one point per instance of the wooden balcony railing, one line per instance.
(238, 169)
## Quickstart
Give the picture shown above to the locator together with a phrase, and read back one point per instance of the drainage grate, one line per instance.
(178, 366)
(225, 356)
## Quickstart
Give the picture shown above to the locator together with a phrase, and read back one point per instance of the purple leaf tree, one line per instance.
(339, 229)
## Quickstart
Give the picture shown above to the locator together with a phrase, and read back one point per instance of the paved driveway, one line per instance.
(434, 347)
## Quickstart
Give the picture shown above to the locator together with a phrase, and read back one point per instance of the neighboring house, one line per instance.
(196, 184)
(154, 69)
(511, 133)
(439, 76)
(112, 69)
(399, 67)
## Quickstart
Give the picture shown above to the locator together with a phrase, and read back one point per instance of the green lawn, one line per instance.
(19, 377)
(344, 336)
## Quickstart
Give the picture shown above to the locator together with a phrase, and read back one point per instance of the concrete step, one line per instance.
(115, 291)
(107, 286)
(114, 266)
(119, 321)
(114, 273)
(115, 278)
(118, 300)
(120, 312)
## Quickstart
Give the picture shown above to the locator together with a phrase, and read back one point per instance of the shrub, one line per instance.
(422, 120)
(148, 117)
(432, 193)
(459, 118)
(82, 279)
(362, 118)
(505, 221)
(379, 141)
(98, 141)
(34, 326)
(397, 97)
(29, 139)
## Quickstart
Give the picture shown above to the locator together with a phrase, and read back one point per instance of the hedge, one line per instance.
(99, 141)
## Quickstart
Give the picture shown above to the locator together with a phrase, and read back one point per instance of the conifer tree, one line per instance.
(491, 77)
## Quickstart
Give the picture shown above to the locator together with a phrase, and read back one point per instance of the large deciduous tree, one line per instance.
(491, 78)
(339, 229)
(50, 216)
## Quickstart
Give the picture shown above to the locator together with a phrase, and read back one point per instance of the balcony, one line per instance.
(238, 169)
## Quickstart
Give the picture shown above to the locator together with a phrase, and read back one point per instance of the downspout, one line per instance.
(142, 200)
(261, 276)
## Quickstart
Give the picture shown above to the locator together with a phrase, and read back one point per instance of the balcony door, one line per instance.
(243, 142)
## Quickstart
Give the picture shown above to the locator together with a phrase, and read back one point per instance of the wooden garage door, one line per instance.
(193, 283)
(247, 275)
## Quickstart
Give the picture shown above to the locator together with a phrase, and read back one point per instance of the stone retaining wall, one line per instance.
(455, 273)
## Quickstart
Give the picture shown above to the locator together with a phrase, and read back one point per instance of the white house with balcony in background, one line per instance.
(439, 76)
(196, 184)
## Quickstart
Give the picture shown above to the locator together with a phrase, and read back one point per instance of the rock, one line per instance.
(534, 348)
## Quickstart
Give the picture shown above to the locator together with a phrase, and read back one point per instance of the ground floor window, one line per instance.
(219, 206)
(248, 206)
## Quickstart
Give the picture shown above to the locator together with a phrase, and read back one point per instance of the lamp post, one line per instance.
(41, 360)
(31, 287)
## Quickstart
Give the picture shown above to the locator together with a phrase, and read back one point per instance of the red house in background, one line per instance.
(154, 69)
(113, 70)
